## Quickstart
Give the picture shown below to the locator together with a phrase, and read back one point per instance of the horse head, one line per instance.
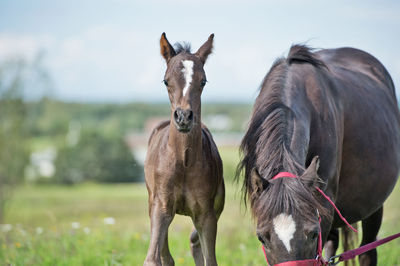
(185, 79)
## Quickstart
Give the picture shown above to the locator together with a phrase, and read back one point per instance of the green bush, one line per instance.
(96, 158)
(14, 155)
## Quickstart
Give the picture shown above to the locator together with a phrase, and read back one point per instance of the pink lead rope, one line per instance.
(348, 255)
(336, 209)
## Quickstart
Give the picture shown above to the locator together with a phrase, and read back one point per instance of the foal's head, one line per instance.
(185, 79)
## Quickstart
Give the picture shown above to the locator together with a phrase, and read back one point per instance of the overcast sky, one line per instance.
(109, 50)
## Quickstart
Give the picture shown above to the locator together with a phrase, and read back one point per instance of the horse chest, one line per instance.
(191, 192)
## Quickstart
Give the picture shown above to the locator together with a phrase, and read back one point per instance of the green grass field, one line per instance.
(58, 225)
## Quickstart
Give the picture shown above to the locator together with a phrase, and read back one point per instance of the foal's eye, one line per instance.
(203, 82)
(165, 82)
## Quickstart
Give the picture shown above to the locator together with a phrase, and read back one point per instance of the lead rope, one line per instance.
(336, 209)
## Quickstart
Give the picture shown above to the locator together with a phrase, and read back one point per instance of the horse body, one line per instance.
(183, 169)
(371, 126)
(339, 105)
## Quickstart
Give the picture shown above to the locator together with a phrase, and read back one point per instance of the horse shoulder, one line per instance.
(157, 129)
(210, 148)
(157, 140)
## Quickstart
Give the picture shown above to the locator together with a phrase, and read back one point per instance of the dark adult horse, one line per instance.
(333, 108)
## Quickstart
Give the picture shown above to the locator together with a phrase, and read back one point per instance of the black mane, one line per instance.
(300, 53)
(183, 47)
(266, 145)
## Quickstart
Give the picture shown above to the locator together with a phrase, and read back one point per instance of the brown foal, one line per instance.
(183, 168)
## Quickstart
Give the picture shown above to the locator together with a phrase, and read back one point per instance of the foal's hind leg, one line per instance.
(370, 228)
(196, 248)
(160, 219)
(166, 257)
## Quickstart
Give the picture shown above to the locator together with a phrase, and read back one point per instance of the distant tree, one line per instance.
(14, 155)
(97, 158)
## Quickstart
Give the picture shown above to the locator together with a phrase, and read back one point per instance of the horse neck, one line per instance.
(187, 147)
(288, 145)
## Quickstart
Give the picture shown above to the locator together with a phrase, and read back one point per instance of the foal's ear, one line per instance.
(167, 51)
(258, 184)
(310, 175)
(205, 49)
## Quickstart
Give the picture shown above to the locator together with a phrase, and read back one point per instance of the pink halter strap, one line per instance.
(284, 174)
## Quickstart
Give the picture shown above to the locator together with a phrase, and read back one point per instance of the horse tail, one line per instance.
(349, 241)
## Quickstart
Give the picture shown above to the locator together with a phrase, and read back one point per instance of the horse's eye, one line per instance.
(165, 82)
(265, 238)
(203, 82)
(260, 239)
(312, 235)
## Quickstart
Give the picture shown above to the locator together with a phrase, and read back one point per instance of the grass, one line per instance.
(42, 232)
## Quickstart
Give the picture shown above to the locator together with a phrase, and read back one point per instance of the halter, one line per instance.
(319, 260)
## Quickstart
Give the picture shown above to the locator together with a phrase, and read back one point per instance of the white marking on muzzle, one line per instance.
(187, 73)
(284, 227)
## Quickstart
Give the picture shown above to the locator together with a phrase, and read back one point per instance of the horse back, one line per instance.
(359, 61)
(370, 122)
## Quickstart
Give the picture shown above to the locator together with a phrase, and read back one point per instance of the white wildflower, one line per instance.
(75, 225)
(6, 227)
(22, 232)
(86, 230)
(39, 230)
(109, 220)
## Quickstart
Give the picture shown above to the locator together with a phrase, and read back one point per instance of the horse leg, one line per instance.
(160, 219)
(207, 241)
(196, 248)
(206, 226)
(370, 228)
(166, 257)
(332, 244)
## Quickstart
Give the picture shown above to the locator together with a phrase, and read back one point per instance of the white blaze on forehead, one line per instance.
(187, 71)
(284, 227)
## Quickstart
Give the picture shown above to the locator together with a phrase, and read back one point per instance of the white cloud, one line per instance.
(26, 46)
(118, 58)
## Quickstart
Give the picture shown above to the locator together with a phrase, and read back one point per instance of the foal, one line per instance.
(183, 168)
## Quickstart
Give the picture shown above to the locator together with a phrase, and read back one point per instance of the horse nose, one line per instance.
(189, 115)
(183, 118)
(177, 115)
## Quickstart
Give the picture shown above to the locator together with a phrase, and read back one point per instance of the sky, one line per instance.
(108, 51)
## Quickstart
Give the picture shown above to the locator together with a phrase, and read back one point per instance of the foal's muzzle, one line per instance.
(183, 119)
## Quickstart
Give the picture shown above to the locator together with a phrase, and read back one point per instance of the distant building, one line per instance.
(41, 164)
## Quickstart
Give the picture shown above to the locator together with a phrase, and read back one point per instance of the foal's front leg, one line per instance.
(160, 219)
(206, 226)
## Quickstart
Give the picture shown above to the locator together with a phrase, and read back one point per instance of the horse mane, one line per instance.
(266, 144)
(183, 47)
(301, 53)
